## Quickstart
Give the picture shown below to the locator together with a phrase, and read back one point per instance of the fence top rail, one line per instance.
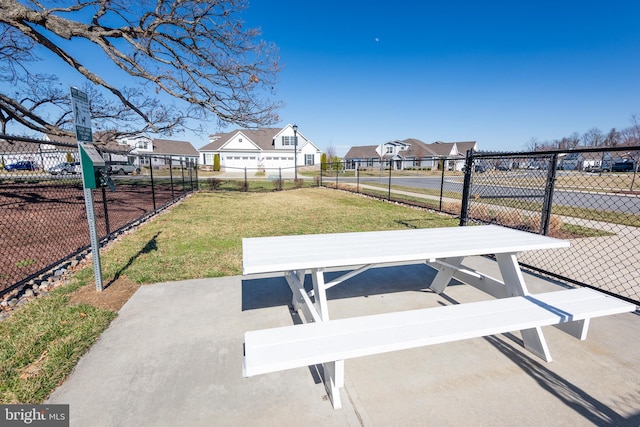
(481, 154)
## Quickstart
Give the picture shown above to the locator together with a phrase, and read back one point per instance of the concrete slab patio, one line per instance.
(174, 357)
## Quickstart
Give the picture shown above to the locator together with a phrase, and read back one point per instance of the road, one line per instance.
(579, 199)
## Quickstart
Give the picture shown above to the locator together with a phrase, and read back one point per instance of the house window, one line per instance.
(308, 159)
(390, 150)
(288, 140)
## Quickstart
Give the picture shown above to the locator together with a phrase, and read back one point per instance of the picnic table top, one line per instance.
(302, 252)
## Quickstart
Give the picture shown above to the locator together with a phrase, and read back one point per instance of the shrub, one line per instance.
(323, 162)
(452, 207)
(243, 186)
(479, 212)
(510, 218)
(555, 224)
(298, 183)
(533, 222)
(214, 183)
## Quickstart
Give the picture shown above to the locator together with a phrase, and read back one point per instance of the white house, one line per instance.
(410, 153)
(159, 152)
(268, 148)
(137, 149)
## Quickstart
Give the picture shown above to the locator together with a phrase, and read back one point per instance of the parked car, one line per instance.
(22, 165)
(622, 167)
(65, 168)
(121, 168)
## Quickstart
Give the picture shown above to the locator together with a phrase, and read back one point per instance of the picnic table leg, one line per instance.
(334, 381)
(445, 274)
(320, 294)
(296, 282)
(301, 301)
(533, 338)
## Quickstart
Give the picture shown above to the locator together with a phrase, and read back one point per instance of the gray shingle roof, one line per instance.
(181, 148)
(362, 152)
(416, 149)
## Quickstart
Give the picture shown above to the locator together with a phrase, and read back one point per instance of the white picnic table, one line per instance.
(329, 342)
(444, 248)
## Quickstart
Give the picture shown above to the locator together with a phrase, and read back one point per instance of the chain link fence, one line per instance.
(433, 183)
(260, 179)
(590, 197)
(42, 212)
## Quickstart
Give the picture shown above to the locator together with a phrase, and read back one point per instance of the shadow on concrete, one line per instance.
(571, 395)
(274, 291)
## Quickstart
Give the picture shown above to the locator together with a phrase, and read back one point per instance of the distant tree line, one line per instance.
(594, 137)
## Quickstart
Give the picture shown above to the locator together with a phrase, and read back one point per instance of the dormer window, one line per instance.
(239, 139)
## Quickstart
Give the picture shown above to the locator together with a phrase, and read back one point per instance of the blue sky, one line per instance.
(500, 73)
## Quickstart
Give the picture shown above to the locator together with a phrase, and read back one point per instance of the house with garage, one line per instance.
(261, 149)
(410, 153)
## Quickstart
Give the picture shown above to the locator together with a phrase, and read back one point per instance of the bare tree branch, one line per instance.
(195, 51)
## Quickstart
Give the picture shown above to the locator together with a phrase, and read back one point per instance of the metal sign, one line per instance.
(81, 115)
(82, 121)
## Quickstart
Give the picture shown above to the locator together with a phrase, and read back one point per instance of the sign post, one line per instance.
(82, 122)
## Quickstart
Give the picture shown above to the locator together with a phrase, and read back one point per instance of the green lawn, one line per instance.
(201, 237)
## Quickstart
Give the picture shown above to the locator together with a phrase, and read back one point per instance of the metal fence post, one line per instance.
(389, 195)
(358, 177)
(171, 176)
(280, 179)
(182, 172)
(466, 189)
(197, 166)
(106, 211)
(442, 183)
(246, 184)
(548, 195)
(153, 187)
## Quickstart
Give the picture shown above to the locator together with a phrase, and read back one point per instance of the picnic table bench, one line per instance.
(330, 342)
